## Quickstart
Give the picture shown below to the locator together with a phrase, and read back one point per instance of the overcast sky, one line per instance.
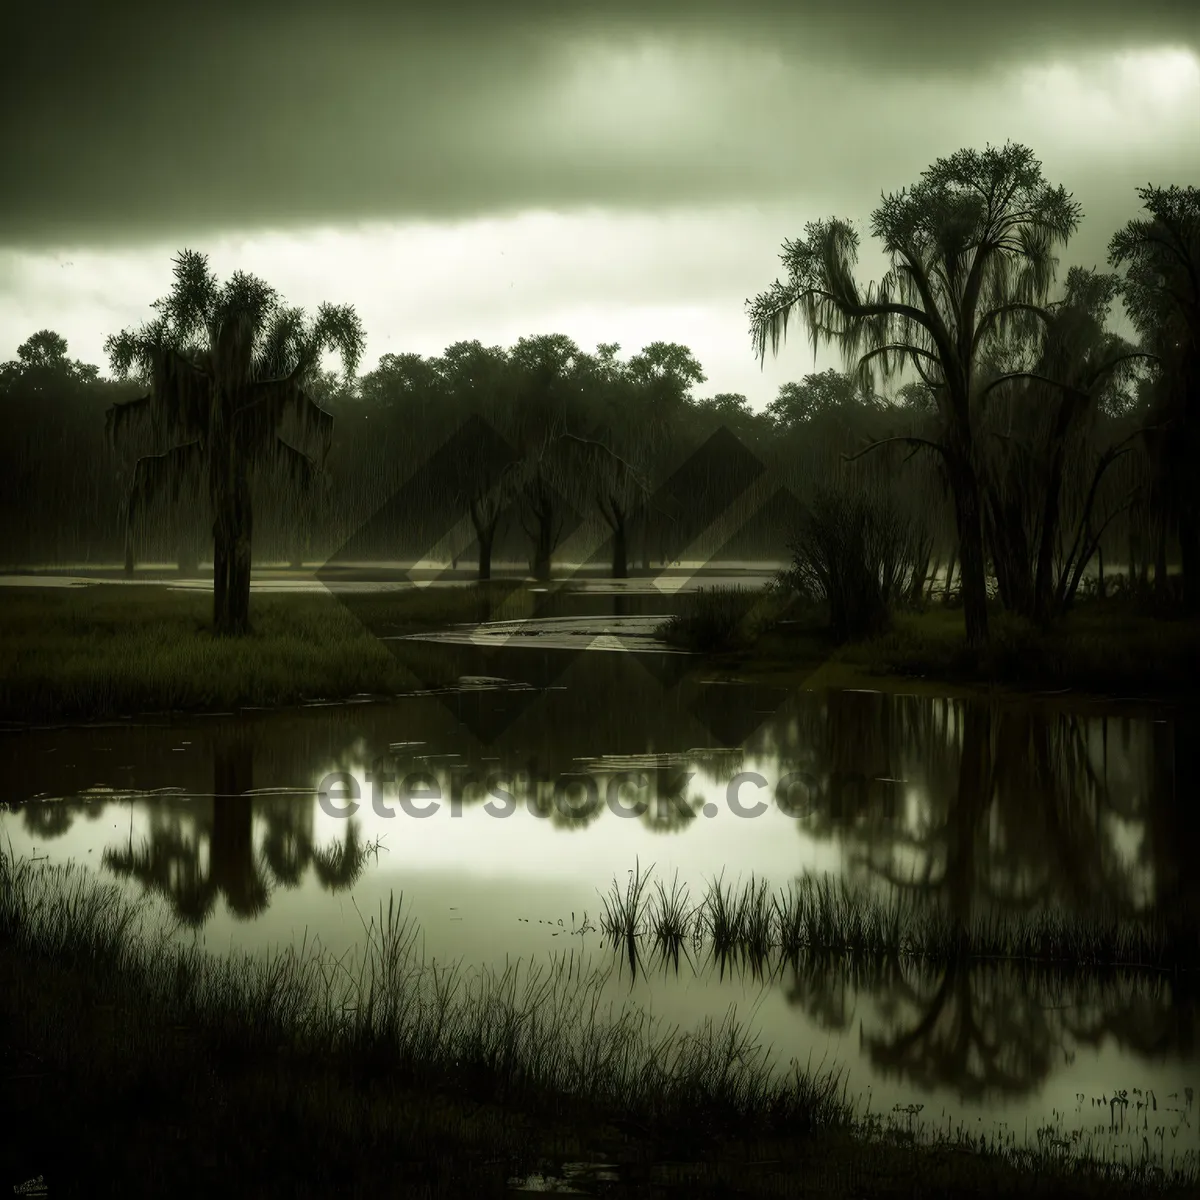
(613, 171)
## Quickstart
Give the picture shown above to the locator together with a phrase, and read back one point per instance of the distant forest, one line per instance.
(408, 436)
(990, 417)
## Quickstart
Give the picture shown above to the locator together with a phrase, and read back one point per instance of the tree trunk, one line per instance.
(232, 532)
(239, 576)
(542, 549)
(950, 569)
(1010, 554)
(220, 576)
(1189, 562)
(486, 537)
(970, 550)
(542, 509)
(1042, 589)
(916, 585)
(620, 555)
(1160, 560)
(620, 563)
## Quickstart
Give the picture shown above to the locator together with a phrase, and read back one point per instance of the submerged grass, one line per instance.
(363, 1073)
(829, 917)
(110, 650)
(625, 910)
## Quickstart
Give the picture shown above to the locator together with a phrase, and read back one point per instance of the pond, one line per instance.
(505, 809)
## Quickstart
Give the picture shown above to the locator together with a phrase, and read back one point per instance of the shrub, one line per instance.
(711, 620)
(860, 555)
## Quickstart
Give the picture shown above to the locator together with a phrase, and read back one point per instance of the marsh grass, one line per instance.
(712, 620)
(671, 919)
(359, 1070)
(828, 917)
(720, 916)
(111, 650)
(532, 1032)
(625, 909)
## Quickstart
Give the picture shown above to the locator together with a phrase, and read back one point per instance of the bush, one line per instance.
(711, 620)
(859, 554)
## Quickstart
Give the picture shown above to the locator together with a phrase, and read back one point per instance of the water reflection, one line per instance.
(984, 1032)
(996, 808)
(199, 844)
(978, 810)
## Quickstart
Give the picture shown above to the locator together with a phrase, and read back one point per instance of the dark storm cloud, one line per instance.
(139, 123)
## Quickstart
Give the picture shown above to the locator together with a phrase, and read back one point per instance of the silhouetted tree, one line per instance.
(1054, 409)
(226, 365)
(1161, 290)
(970, 249)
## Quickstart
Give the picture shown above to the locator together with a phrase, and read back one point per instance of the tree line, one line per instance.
(990, 426)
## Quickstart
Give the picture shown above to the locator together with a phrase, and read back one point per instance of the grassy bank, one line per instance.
(110, 650)
(826, 918)
(1103, 647)
(133, 1066)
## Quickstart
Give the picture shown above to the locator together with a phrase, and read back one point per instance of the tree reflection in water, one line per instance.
(984, 1035)
(988, 809)
(197, 851)
(1012, 812)
(978, 812)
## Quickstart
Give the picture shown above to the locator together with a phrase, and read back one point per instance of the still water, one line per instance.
(504, 810)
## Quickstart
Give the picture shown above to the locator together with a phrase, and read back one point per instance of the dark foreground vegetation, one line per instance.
(1118, 652)
(134, 1066)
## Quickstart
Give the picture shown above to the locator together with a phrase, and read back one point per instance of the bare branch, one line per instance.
(912, 441)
